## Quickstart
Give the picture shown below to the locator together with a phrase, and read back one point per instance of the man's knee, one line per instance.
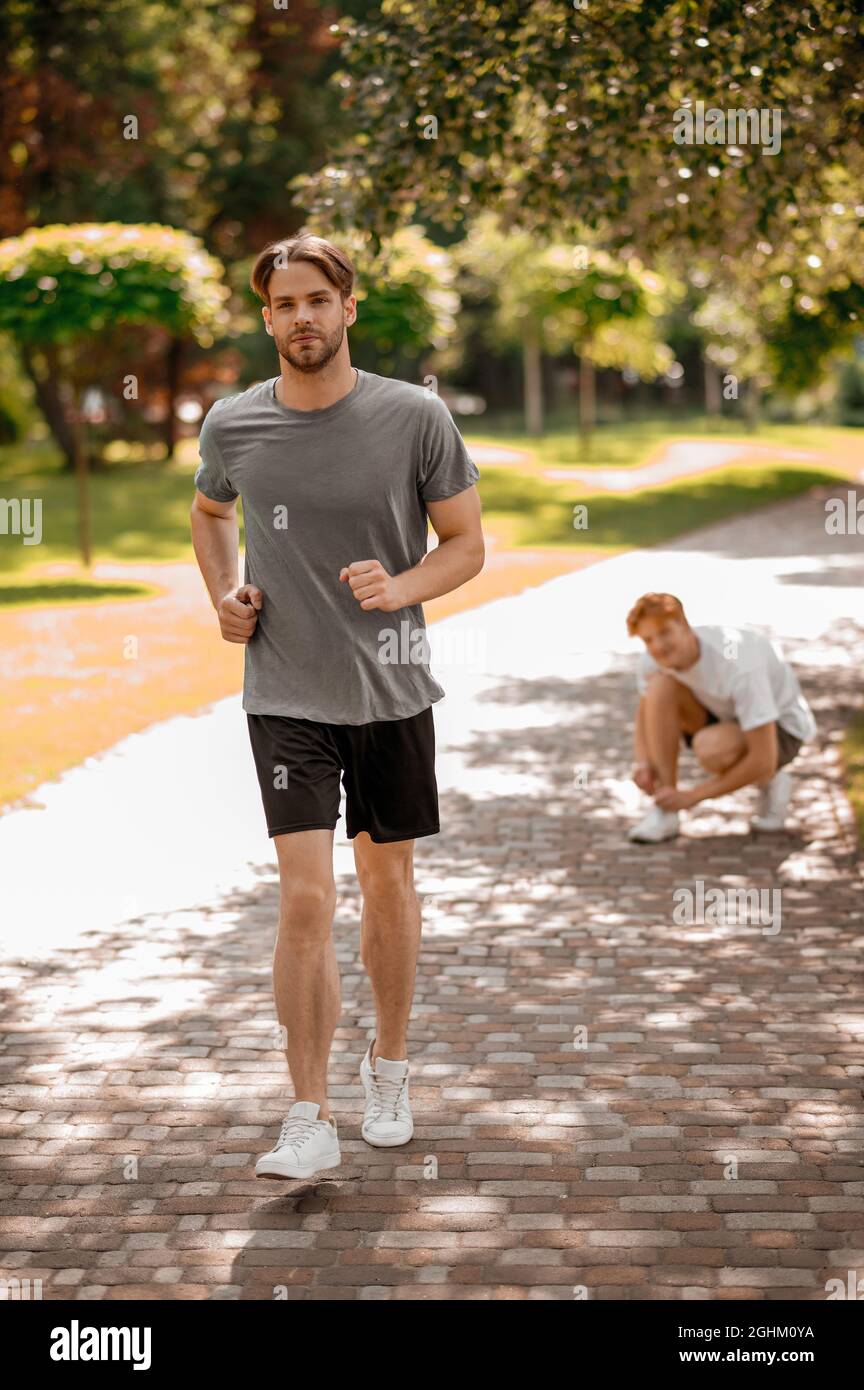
(662, 689)
(306, 908)
(718, 747)
(387, 883)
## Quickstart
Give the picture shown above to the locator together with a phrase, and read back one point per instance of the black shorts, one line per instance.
(788, 745)
(387, 769)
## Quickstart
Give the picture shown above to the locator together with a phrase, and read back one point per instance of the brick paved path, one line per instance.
(143, 1080)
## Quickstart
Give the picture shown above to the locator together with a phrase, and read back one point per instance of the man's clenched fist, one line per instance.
(372, 586)
(238, 613)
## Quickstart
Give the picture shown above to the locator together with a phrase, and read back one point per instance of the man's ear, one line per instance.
(264, 314)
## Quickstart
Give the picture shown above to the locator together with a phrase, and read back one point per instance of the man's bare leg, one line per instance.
(667, 709)
(720, 746)
(389, 937)
(305, 971)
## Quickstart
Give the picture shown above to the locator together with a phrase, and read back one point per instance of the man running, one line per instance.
(732, 697)
(340, 471)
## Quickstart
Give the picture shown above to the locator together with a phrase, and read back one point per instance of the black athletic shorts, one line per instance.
(387, 769)
(788, 745)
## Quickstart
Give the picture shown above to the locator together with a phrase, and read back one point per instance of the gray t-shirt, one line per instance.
(321, 489)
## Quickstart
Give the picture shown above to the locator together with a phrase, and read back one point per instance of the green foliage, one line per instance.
(406, 304)
(63, 283)
(731, 334)
(16, 411)
(575, 298)
(802, 342)
(546, 112)
(190, 115)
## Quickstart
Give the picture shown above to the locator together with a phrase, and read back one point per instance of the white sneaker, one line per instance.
(387, 1115)
(656, 826)
(305, 1145)
(773, 803)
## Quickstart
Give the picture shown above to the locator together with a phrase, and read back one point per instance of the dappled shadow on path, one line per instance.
(146, 1079)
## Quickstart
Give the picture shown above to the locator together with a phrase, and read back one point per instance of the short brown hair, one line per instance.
(305, 247)
(654, 606)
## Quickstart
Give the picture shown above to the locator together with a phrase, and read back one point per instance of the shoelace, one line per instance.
(387, 1095)
(295, 1131)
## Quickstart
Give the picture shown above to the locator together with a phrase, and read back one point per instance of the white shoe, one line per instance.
(387, 1114)
(656, 826)
(773, 803)
(305, 1145)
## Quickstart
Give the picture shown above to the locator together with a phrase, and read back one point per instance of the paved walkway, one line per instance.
(706, 1140)
(124, 665)
(682, 459)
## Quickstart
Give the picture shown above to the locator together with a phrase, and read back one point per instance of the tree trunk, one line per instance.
(173, 360)
(753, 403)
(43, 369)
(587, 403)
(82, 486)
(713, 398)
(532, 377)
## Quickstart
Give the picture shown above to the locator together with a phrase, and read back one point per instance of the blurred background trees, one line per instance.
(524, 226)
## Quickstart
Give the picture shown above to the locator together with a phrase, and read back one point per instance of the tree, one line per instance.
(777, 315)
(734, 344)
(803, 342)
(192, 116)
(559, 298)
(407, 305)
(61, 287)
(545, 111)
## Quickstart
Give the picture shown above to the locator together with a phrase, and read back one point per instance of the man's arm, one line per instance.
(758, 764)
(458, 556)
(215, 540)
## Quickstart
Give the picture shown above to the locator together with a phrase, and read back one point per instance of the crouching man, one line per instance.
(731, 696)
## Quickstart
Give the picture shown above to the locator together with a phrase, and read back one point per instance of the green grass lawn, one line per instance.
(536, 513)
(627, 444)
(140, 511)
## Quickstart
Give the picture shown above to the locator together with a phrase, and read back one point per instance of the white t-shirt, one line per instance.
(741, 675)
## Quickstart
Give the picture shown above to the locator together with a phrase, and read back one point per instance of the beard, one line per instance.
(312, 356)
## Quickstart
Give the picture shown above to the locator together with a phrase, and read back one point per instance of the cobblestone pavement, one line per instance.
(608, 1102)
